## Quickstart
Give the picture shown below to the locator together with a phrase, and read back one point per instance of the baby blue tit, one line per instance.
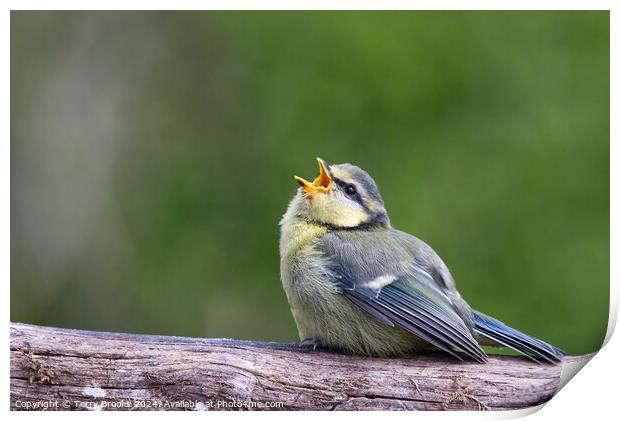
(357, 285)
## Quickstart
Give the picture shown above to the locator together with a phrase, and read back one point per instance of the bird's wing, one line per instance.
(503, 335)
(382, 279)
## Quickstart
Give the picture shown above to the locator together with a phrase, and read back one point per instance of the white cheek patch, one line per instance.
(337, 210)
(380, 281)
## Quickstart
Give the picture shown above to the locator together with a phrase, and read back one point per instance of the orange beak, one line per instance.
(320, 184)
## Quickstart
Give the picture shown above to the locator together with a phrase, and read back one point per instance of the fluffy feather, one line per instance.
(357, 285)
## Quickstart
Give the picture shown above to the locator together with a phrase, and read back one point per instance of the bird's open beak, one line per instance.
(320, 184)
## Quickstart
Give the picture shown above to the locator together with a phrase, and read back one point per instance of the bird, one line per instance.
(357, 285)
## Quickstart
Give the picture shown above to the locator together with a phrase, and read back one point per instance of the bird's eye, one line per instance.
(350, 190)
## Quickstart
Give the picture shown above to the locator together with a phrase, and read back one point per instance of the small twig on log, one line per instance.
(63, 369)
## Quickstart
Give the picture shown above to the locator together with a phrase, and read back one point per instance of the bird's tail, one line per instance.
(503, 335)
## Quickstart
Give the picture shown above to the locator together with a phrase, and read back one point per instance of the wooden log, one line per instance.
(62, 369)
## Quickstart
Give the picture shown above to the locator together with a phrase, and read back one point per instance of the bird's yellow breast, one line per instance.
(320, 311)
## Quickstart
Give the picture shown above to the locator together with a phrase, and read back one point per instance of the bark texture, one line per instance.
(65, 369)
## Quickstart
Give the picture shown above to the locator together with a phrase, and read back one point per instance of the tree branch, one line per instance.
(63, 369)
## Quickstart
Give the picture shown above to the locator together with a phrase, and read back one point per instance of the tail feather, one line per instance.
(504, 335)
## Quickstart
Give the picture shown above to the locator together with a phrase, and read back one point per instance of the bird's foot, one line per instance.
(310, 342)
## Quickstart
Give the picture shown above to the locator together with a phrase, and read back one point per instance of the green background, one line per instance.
(153, 154)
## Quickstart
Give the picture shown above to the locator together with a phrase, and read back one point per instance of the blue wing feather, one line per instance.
(505, 335)
(400, 281)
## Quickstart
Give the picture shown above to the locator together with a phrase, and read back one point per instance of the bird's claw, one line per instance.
(310, 341)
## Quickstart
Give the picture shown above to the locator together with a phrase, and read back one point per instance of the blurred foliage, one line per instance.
(152, 156)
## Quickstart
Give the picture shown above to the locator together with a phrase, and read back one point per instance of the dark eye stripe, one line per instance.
(341, 183)
(356, 197)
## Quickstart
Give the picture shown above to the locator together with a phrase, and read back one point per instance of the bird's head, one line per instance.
(342, 196)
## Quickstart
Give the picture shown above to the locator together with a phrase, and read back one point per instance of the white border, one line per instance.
(311, 5)
(591, 394)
